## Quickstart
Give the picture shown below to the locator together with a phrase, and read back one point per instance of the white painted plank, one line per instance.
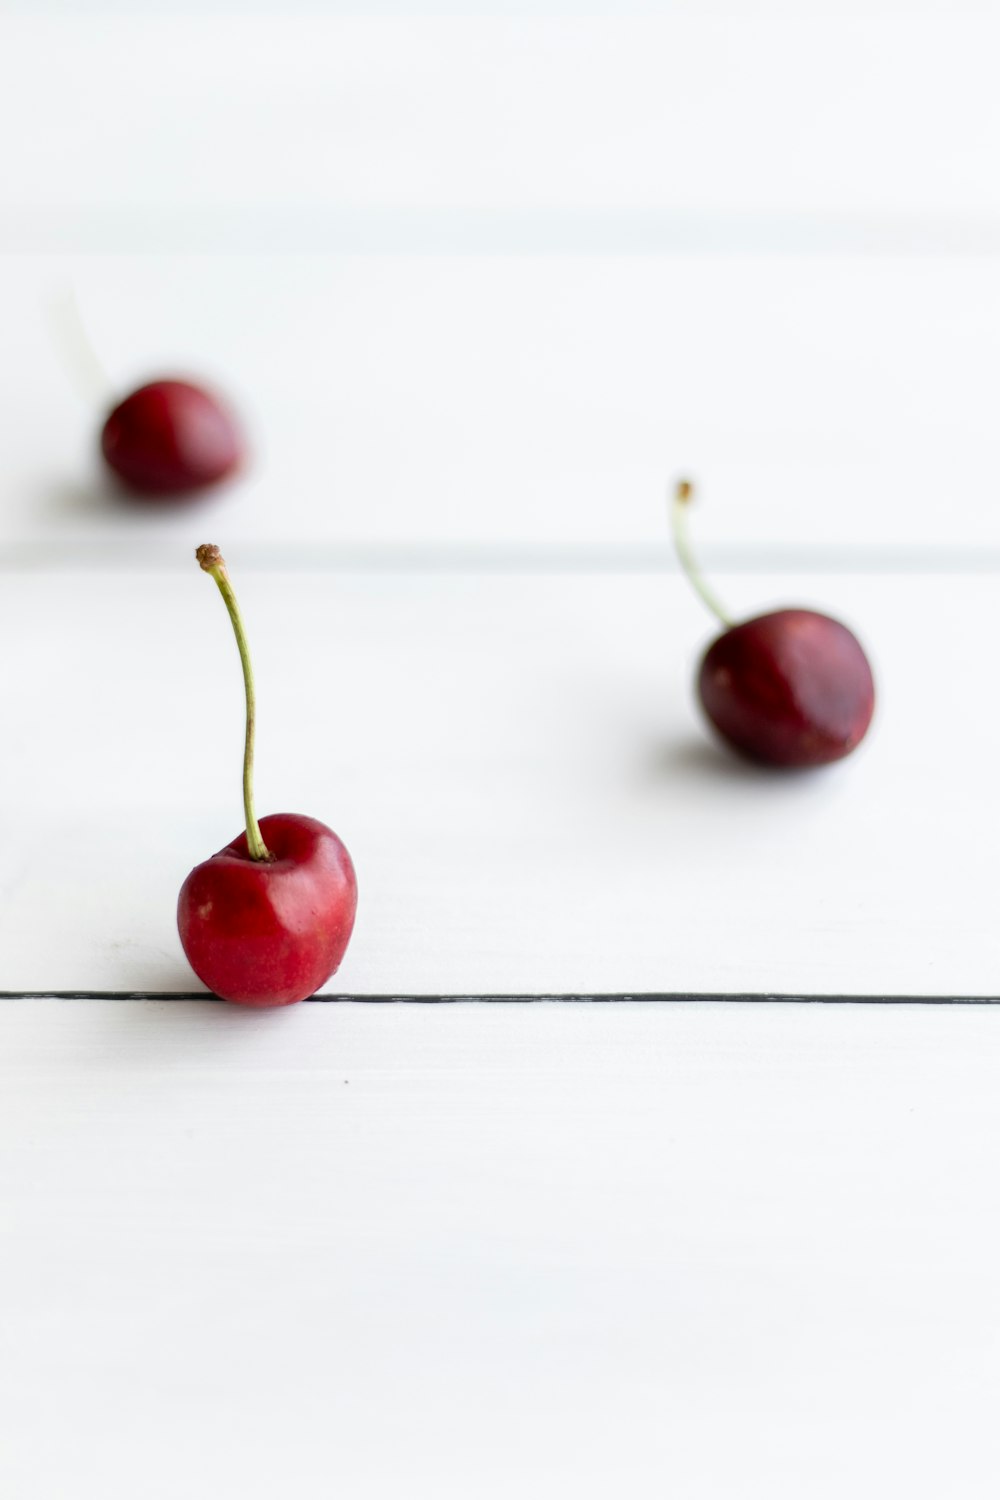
(518, 769)
(902, 10)
(740, 112)
(531, 1250)
(829, 404)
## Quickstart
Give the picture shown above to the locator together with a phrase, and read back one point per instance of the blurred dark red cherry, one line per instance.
(792, 688)
(170, 439)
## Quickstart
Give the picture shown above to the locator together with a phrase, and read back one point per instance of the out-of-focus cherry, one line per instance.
(791, 688)
(170, 440)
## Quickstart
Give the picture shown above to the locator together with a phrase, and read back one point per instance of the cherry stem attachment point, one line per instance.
(683, 495)
(212, 562)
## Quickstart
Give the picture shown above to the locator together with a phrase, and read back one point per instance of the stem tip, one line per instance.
(209, 556)
(684, 491)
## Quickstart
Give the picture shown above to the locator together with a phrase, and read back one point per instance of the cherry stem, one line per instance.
(213, 562)
(683, 495)
(79, 355)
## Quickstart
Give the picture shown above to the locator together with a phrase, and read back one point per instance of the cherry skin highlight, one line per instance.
(791, 688)
(171, 439)
(270, 932)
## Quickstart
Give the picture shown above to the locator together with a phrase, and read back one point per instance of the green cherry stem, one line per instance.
(213, 562)
(683, 495)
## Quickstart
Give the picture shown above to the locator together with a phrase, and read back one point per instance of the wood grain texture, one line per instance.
(518, 769)
(532, 1250)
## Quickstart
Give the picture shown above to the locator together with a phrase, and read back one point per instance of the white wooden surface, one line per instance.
(495, 1251)
(490, 279)
(748, 110)
(831, 405)
(517, 766)
(482, 283)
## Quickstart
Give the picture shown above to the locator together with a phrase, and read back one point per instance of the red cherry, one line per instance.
(269, 932)
(267, 920)
(792, 688)
(170, 438)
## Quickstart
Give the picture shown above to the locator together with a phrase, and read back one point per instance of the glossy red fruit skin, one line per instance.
(171, 439)
(271, 932)
(792, 688)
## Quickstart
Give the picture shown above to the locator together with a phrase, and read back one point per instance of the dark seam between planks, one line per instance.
(566, 999)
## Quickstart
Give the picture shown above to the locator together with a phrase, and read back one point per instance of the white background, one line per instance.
(481, 283)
